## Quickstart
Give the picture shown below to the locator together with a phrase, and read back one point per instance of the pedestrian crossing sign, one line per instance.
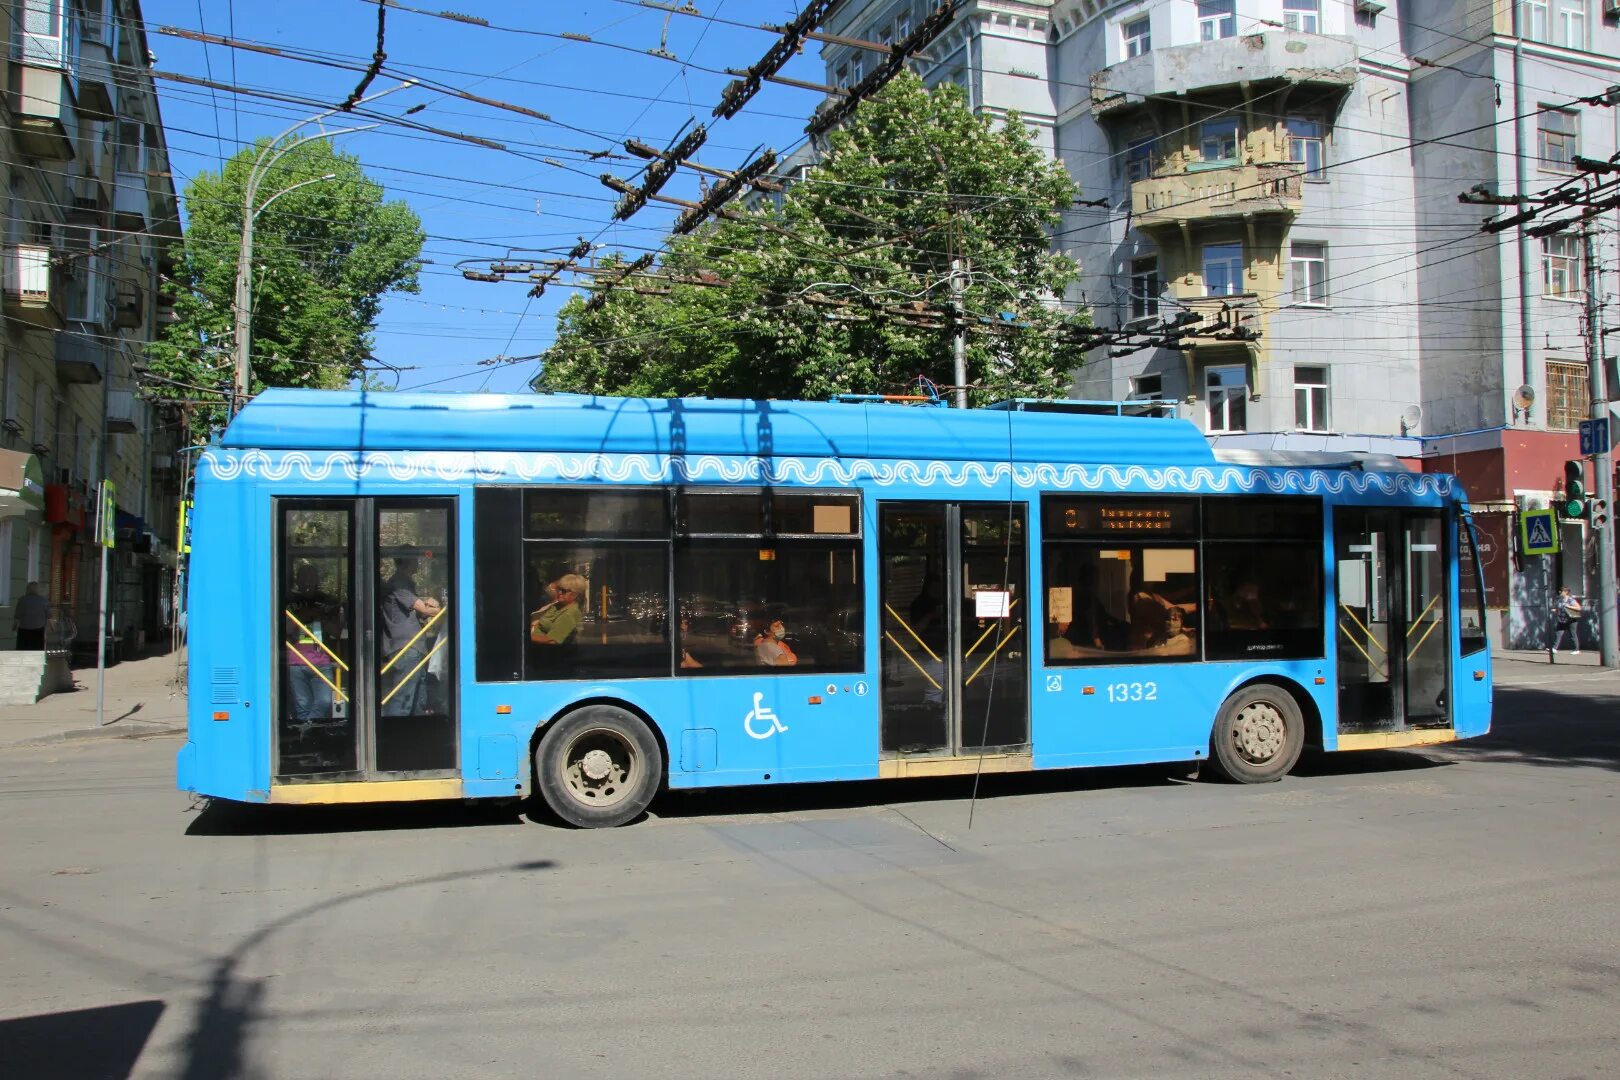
(1537, 533)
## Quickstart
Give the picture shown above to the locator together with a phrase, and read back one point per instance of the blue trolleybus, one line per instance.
(419, 596)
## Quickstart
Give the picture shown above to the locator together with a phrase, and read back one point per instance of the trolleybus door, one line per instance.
(953, 615)
(1391, 615)
(366, 610)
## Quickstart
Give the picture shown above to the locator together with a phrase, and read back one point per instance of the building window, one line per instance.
(855, 75)
(902, 27)
(1138, 37)
(1216, 19)
(1570, 30)
(1561, 267)
(1308, 265)
(1310, 398)
(1218, 139)
(1148, 387)
(1533, 20)
(42, 34)
(1568, 402)
(1139, 159)
(1558, 139)
(1303, 15)
(1223, 269)
(1305, 144)
(36, 545)
(1144, 288)
(5, 562)
(1367, 14)
(1226, 390)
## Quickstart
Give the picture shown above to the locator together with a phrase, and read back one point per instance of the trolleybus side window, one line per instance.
(1121, 578)
(1263, 578)
(768, 578)
(1471, 592)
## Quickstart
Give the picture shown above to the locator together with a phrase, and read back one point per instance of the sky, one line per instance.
(538, 197)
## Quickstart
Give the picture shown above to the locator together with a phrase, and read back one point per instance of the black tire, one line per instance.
(1258, 735)
(598, 767)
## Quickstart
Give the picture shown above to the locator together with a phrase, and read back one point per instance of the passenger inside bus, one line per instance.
(401, 617)
(558, 621)
(771, 647)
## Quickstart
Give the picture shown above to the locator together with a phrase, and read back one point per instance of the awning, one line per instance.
(22, 483)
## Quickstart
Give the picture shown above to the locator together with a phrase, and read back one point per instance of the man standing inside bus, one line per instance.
(401, 616)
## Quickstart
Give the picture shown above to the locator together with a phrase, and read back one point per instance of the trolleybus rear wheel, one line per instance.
(598, 767)
(1258, 735)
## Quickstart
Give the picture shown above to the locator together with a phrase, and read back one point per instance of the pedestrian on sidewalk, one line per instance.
(1567, 617)
(33, 612)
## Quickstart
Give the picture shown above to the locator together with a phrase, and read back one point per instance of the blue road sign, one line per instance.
(1537, 535)
(1594, 436)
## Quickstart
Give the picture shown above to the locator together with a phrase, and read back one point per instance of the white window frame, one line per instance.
(1570, 28)
(902, 28)
(1148, 386)
(1305, 136)
(1302, 16)
(1233, 267)
(1307, 273)
(1145, 286)
(1312, 381)
(1223, 133)
(1551, 144)
(1219, 396)
(41, 33)
(1137, 35)
(1217, 19)
(1561, 267)
(1534, 21)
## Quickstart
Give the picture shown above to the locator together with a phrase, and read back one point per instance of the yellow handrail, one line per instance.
(408, 675)
(336, 688)
(912, 632)
(313, 640)
(987, 632)
(1370, 636)
(425, 628)
(1376, 666)
(913, 659)
(1417, 621)
(1422, 639)
(1010, 634)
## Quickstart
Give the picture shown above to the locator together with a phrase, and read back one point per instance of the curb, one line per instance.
(108, 732)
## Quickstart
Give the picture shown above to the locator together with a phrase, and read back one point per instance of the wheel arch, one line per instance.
(1308, 710)
(630, 707)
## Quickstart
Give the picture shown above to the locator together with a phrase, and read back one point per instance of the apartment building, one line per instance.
(90, 210)
(1294, 166)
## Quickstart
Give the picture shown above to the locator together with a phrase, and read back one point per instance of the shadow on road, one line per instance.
(103, 1042)
(1544, 726)
(222, 818)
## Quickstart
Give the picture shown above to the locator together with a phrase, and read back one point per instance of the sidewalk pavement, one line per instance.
(143, 697)
(1592, 657)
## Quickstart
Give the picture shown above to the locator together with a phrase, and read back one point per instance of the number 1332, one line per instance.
(1133, 691)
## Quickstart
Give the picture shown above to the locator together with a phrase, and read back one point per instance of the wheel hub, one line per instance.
(596, 764)
(1259, 732)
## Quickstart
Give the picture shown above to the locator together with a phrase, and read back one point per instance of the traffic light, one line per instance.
(1573, 504)
(1598, 510)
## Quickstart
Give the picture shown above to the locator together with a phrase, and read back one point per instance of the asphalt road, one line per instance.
(1407, 914)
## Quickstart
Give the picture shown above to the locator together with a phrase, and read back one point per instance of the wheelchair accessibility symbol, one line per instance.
(1054, 684)
(764, 715)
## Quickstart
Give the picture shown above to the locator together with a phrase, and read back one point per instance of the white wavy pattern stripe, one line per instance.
(449, 467)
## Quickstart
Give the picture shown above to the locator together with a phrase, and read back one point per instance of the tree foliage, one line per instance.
(847, 286)
(324, 256)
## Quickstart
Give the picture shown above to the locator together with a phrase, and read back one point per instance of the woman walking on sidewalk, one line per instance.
(1567, 617)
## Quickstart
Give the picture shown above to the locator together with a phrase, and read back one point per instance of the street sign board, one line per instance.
(107, 516)
(1538, 533)
(1594, 436)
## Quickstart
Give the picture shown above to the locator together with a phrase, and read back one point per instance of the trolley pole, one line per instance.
(1602, 457)
(958, 335)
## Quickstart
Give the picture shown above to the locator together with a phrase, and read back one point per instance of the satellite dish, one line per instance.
(1410, 417)
(1524, 397)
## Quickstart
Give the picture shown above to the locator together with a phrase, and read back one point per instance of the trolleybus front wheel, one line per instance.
(1258, 735)
(598, 767)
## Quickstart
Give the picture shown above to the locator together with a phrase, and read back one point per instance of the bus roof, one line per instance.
(282, 419)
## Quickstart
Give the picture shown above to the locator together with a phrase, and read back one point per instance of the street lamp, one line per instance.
(262, 164)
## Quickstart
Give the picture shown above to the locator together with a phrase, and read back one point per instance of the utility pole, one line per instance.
(1603, 456)
(958, 335)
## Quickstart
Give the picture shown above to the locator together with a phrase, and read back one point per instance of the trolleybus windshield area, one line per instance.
(590, 600)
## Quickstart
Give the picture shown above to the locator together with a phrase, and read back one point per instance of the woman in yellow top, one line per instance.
(556, 623)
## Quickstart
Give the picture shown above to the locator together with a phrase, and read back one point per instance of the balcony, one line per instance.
(130, 311)
(33, 287)
(1242, 192)
(42, 112)
(121, 419)
(87, 201)
(97, 96)
(1254, 61)
(131, 201)
(80, 359)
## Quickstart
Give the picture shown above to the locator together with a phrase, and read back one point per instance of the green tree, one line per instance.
(847, 286)
(323, 258)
